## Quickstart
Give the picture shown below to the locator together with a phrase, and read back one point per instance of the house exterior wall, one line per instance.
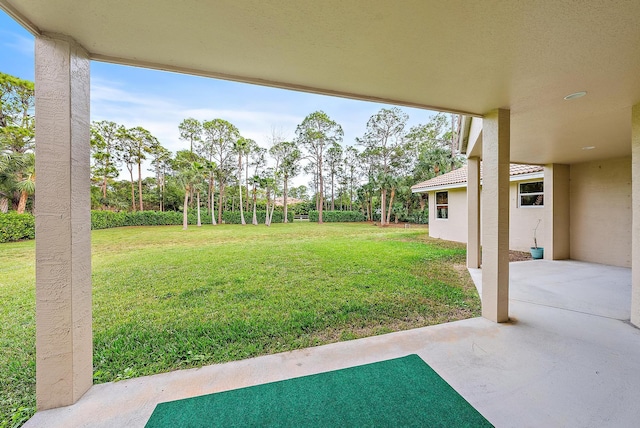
(600, 196)
(522, 221)
(453, 228)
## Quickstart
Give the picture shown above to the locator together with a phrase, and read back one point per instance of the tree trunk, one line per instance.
(351, 193)
(22, 205)
(4, 204)
(198, 196)
(140, 185)
(133, 193)
(393, 194)
(333, 204)
(240, 207)
(273, 208)
(209, 198)
(383, 206)
(284, 200)
(370, 208)
(246, 181)
(220, 202)
(255, 217)
(213, 204)
(321, 186)
(185, 207)
(266, 217)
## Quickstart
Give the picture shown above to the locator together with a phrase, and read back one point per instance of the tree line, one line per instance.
(222, 170)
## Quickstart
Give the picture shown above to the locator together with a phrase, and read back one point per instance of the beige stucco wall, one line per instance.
(600, 195)
(455, 227)
(522, 221)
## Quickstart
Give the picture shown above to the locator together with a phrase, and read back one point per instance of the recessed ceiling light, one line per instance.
(575, 95)
(588, 147)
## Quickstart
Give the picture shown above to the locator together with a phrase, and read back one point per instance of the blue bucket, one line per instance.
(537, 253)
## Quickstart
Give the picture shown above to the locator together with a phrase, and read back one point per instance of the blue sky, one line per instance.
(159, 101)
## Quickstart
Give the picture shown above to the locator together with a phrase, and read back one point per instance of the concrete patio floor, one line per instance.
(569, 358)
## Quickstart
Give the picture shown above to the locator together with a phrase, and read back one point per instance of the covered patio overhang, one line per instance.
(567, 358)
(511, 63)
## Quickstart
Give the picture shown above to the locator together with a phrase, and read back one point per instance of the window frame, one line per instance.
(521, 194)
(439, 206)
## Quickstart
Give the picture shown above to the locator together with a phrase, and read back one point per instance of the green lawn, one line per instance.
(166, 299)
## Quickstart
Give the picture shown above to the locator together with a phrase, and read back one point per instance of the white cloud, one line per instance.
(160, 106)
(162, 115)
(24, 45)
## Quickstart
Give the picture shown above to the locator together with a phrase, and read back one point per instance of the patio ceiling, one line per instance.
(448, 55)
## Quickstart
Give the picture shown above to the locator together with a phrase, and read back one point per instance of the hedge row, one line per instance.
(337, 216)
(109, 219)
(16, 227)
(233, 217)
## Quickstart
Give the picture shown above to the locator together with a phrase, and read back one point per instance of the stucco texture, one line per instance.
(522, 220)
(453, 228)
(600, 195)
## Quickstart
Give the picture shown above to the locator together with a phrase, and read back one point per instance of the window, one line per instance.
(442, 205)
(532, 194)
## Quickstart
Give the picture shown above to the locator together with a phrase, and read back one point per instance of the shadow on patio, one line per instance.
(568, 358)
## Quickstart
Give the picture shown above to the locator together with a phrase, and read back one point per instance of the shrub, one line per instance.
(337, 216)
(233, 217)
(16, 227)
(419, 217)
(108, 219)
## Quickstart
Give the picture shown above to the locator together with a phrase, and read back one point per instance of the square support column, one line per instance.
(556, 212)
(473, 213)
(64, 342)
(495, 215)
(635, 221)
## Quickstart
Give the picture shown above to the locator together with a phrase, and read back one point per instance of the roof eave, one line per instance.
(463, 138)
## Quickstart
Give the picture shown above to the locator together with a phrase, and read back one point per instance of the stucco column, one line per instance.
(63, 223)
(556, 212)
(635, 228)
(495, 215)
(473, 213)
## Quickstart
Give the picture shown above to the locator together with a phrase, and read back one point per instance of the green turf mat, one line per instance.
(403, 392)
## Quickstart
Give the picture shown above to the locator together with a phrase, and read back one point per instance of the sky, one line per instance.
(159, 101)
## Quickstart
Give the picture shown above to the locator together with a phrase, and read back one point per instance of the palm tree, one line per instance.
(287, 157)
(241, 147)
(190, 169)
(199, 177)
(219, 139)
(126, 155)
(252, 146)
(316, 132)
(210, 168)
(258, 162)
(10, 164)
(268, 182)
(27, 185)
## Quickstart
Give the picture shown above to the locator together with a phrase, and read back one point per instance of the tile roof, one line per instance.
(459, 176)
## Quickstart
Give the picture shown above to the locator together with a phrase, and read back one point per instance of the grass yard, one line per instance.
(166, 299)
